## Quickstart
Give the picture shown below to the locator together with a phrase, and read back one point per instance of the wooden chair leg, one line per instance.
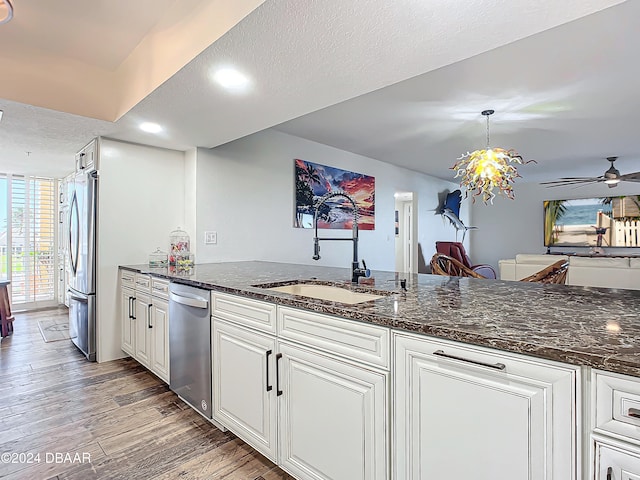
(6, 319)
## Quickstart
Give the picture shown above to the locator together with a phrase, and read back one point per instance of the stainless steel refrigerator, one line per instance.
(82, 258)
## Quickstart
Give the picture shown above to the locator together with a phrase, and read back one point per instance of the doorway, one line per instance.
(406, 223)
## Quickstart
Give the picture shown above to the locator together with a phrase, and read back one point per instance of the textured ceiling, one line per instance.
(566, 97)
(307, 55)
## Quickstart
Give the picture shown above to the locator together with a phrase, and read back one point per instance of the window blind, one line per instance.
(30, 239)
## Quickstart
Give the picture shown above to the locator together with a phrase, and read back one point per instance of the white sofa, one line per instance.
(610, 272)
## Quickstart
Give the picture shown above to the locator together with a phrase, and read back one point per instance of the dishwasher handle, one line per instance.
(189, 300)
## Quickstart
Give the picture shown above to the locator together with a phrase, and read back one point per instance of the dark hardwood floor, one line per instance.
(62, 417)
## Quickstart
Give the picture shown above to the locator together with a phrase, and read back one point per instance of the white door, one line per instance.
(332, 417)
(243, 385)
(613, 463)
(126, 320)
(159, 323)
(141, 318)
(461, 415)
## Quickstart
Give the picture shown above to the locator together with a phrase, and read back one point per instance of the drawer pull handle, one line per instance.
(269, 387)
(634, 412)
(609, 473)
(497, 366)
(278, 391)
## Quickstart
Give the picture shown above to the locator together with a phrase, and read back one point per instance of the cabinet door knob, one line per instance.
(497, 366)
(269, 387)
(278, 391)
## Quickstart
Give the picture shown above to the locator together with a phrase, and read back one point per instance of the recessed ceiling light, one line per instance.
(6, 11)
(231, 79)
(150, 127)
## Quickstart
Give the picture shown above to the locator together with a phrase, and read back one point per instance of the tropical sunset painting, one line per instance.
(314, 180)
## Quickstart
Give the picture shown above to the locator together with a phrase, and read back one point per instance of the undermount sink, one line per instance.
(326, 292)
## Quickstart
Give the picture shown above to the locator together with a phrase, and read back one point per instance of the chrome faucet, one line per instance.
(356, 271)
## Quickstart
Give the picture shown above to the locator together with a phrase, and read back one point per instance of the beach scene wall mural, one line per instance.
(590, 222)
(313, 180)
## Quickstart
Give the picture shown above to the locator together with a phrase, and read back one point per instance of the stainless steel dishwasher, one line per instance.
(190, 346)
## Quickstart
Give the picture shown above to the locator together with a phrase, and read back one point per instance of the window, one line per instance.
(27, 230)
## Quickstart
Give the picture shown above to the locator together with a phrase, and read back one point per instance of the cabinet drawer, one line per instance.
(617, 404)
(127, 278)
(159, 287)
(351, 339)
(246, 311)
(143, 283)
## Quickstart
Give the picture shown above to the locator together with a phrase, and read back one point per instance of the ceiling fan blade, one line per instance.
(570, 181)
(630, 177)
(590, 179)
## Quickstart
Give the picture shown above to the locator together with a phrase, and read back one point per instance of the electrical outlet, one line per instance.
(210, 238)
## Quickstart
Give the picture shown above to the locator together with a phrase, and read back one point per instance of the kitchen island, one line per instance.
(585, 326)
(529, 380)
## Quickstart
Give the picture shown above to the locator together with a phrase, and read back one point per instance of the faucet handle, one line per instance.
(366, 273)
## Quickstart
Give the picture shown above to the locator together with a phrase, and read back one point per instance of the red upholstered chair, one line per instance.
(456, 250)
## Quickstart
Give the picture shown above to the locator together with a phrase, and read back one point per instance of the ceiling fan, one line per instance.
(611, 177)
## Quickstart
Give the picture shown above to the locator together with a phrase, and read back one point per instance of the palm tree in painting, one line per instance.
(553, 211)
(306, 176)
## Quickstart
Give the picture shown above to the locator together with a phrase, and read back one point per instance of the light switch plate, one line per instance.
(210, 238)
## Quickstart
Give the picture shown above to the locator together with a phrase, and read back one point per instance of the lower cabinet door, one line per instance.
(244, 393)
(462, 413)
(614, 463)
(333, 417)
(159, 323)
(127, 323)
(142, 316)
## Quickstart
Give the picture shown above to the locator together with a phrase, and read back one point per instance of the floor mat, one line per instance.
(54, 330)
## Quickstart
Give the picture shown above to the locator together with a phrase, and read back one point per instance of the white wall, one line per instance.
(516, 226)
(190, 196)
(140, 200)
(245, 192)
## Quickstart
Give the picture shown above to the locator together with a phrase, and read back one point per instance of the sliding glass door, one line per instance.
(27, 239)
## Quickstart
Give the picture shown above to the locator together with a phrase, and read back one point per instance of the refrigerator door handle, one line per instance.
(74, 249)
(76, 297)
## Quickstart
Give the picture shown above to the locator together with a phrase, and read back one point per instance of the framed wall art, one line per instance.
(313, 180)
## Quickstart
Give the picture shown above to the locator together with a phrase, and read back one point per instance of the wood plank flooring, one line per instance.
(62, 417)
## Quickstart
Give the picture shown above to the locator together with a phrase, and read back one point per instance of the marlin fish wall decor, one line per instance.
(450, 209)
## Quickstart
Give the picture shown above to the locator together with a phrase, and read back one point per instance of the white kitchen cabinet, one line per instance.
(329, 412)
(127, 297)
(332, 416)
(243, 385)
(616, 463)
(144, 321)
(159, 333)
(616, 426)
(463, 412)
(86, 158)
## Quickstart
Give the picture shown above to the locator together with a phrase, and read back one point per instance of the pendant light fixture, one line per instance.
(483, 170)
(6, 11)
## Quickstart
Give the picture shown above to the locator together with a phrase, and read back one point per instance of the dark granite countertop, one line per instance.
(594, 327)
